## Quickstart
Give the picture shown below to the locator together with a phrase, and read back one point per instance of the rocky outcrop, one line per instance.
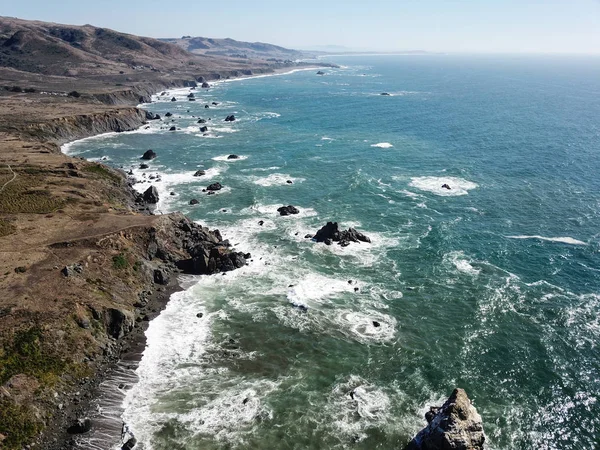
(118, 322)
(195, 249)
(148, 155)
(331, 233)
(214, 187)
(233, 157)
(199, 173)
(288, 210)
(230, 118)
(455, 425)
(151, 195)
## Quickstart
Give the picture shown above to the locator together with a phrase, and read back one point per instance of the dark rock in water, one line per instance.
(172, 128)
(160, 277)
(199, 315)
(245, 401)
(261, 222)
(203, 129)
(320, 72)
(191, 95)
(173, 99)
(331, 233)
(446, 186)
(289, 182)
(300, 306)
(192, 99)
(308, 236)
(149, 154)
(144, 166)
(233, 157)
(288, 210)
(376, 324)
(230, 118)
(172, 193)
(151, 195)
(205, 85)
(215, 104)
(214, 187)
(130, 444)
(201, 121)
(355, 289)
(80, 426)
(456, 426)
(194, 201)
(168, 114)
(200, 173)
(385, 94)
(152, 116)
(206, 106)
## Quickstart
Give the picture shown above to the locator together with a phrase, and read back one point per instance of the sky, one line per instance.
(473, 26)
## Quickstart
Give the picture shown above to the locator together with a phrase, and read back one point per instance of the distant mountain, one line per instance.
(69, 50)
(234, 49)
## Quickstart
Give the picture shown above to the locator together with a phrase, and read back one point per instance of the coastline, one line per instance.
(102, 398)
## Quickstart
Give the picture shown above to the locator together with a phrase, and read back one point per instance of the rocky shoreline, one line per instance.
(146, 251)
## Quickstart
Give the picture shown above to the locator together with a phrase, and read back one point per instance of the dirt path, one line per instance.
(9, 181)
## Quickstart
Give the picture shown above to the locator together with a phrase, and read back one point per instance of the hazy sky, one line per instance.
(556, 26)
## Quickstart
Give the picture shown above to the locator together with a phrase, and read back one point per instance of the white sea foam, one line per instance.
(460, 261)
(564, 240)
(226, 158)
(458, 186)
(366, 326)
(276, 179)
(382, 145)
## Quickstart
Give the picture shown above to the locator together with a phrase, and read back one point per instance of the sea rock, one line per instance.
(446, 186)
(320, 72)
(289, 182)
(206, 106)
(191, 95)
(148, 155)
(201, 121)
(214, 187)
(456, 425)
(230, 118)
(144, 166)
(172, 128)
(385, 94)
(152, 116)
(203, 129)
(173, 99)
(288, 210)
(330, 233)
(215, 104)
(200, 173)
(194, 201)
(151, 195)
(130, 444)
(205, 85)
(192, 99)
(233, 157)
(80, 426)
(168, 114)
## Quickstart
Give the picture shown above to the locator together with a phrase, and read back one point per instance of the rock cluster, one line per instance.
(230, 118)
(288, 210)
(331, 233)
(455, 425)
(204, 251)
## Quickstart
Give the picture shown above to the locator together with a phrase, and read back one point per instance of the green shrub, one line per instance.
(17, 424)
(120, 262)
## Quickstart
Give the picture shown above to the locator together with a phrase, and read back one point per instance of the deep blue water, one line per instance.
(493, 285)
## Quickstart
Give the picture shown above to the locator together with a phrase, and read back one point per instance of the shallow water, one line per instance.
(493, 285)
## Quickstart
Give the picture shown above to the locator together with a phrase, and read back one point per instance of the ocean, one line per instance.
(492, 285)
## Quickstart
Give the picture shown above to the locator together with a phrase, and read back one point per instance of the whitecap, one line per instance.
(276, 179)
(458, 186)
(382, 145)
(227, 159)
(564, 240)
(461, 263)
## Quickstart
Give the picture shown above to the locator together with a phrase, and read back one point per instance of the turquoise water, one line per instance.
(493, 285)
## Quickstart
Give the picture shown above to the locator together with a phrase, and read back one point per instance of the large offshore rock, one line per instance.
(455, 425)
